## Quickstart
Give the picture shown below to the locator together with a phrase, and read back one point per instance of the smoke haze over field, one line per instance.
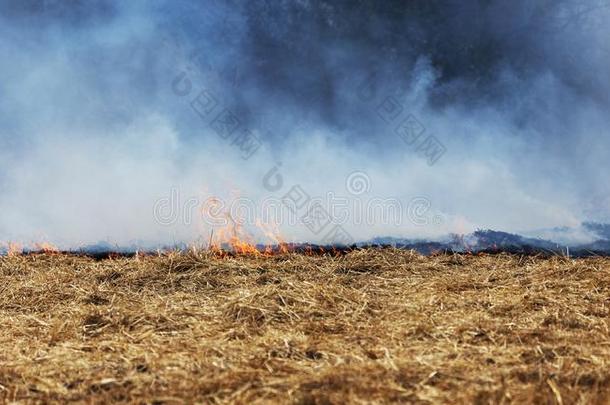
(103, 121)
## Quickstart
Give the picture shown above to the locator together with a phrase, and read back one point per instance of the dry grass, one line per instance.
(371, 326)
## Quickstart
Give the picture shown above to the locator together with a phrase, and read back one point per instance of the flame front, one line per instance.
(46, 247)
(14, 249)
(235, 238)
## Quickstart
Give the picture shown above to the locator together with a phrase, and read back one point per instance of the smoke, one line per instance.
(119, 120)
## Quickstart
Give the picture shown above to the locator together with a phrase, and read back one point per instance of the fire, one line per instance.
(14, 249)
(45, 247)
(272, 233)
(233, 237)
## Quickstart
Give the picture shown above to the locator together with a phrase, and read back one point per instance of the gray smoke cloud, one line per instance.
(119, 120)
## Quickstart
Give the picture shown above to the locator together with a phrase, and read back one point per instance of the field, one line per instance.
(367, 326)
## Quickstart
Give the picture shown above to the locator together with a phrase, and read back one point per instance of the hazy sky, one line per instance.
(108, 108)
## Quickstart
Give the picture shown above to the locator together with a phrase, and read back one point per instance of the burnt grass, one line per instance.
(349, 326)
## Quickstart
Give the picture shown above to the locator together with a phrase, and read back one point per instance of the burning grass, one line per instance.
(371, 325)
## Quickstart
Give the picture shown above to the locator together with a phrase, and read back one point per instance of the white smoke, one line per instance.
(95, 136)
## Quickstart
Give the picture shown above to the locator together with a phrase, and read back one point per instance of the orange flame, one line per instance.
(272, 233)
(45, 247)
(14, 249)
(234, 238)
